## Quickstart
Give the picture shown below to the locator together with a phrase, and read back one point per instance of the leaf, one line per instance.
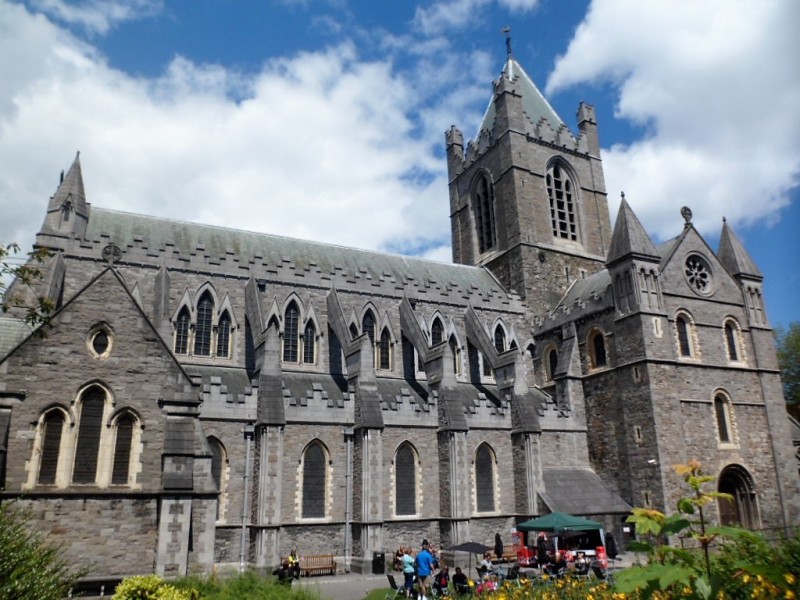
(703, 588)
(686, 506)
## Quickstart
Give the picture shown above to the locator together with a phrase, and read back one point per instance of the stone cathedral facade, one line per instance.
(204, 395)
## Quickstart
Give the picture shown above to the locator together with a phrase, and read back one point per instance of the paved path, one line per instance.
(355, 586)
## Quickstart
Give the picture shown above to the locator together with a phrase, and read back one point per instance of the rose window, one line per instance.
(698, 275)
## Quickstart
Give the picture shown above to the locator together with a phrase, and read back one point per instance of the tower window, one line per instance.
(732, 341)
(597, 349)
(483, 207)
(551, 362)
(562, 203)
(685, 331)
(224, 335)
(722, 411)
(405, 466)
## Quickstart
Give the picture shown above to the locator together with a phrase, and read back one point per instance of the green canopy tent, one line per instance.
(559, 522)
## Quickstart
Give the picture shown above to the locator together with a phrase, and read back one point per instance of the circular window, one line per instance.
(698, 274)
(100, 342)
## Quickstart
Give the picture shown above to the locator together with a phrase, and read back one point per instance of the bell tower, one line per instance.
(527, 197)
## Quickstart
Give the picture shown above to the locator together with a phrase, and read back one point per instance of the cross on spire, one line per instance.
(507, 31)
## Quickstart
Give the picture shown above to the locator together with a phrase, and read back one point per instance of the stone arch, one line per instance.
(743, 510)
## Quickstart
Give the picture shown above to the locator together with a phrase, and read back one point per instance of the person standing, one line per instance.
(425, 566)
(498, 546)
(407, 564)
(541, 550)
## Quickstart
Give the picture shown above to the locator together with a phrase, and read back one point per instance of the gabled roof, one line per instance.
(534, 104)
(184, 239)
(733, 255)
(629, 238)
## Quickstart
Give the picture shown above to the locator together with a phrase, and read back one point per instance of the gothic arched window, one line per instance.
(384, 351)
(219, 460)
(499, 339)
(560, 190)
(722, 411)
(309, 343)
(732, 341)
(484, 479)
(456, 351)
(368, 326)
(483, 207)
(182, 331)
(290, 333)
(52, 427)
(224, 335)
(314, 481)
(90, 426)
(120, 471)
(685, 333)
(550, 362)
(743, 510)
(437, 332)
(597, 349)
(202, 332)
(405, 467)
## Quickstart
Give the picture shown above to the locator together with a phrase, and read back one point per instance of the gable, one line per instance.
(690, 261)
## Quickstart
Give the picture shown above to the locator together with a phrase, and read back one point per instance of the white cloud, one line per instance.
(98, 16)
(715, 82)
(304, 148)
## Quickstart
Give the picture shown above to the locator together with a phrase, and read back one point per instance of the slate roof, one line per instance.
(127, 229)
(534, 103)
(12, 332)
(733, 256)
(629, 237)
(588, 288)
(579, 491)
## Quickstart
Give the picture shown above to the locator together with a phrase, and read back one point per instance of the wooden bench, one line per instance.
(317, 564)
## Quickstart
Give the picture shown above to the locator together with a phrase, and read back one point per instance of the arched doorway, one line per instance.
(743, 511)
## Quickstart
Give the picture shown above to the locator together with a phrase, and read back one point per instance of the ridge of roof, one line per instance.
(534, 103)
(733, 255)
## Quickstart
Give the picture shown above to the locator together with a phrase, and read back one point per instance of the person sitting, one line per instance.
(581, 565)
(441, 581)
(460, 582)
(559, 565)
(486, 566)
(398, 559)
(294, 564)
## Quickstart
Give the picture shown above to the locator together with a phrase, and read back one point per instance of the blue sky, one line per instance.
(324, 119)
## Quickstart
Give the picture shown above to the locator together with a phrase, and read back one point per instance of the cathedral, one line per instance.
(206, 396)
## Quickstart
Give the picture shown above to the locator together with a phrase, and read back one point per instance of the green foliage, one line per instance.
(245, 586)
(151, 587)
(37, 309)
(743, 565)
(787, 342)
(30, 569)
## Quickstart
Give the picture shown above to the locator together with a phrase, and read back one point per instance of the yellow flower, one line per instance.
(789, 595)
(790, 579)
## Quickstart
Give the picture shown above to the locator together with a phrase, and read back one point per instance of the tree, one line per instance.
(37, 309)
(787, 342)
(30, 569)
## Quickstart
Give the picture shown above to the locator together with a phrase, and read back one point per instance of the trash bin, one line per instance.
(378, 563)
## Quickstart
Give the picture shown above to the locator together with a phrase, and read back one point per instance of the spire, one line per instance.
(629, 237)
(71, 187)
(733, 255)
(68, 211)
(534, 104)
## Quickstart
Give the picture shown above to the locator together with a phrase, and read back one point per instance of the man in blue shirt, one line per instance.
(426, 563)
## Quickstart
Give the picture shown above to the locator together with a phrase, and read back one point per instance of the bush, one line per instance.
(30, 568)
(151, 587)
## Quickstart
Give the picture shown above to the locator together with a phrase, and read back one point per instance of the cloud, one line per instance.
(458, 14)
(98, 16)
(715, 85)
